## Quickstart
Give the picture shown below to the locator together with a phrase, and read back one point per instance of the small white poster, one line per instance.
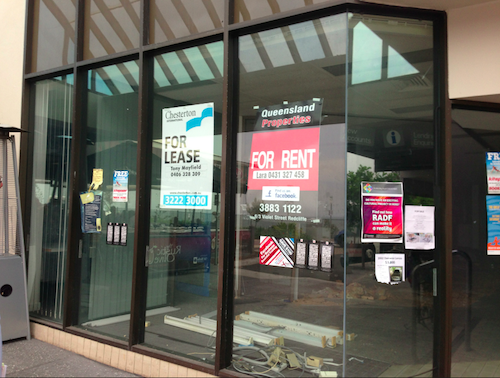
(419, 227)
(120, 186)
(187, 157)
(390, 268)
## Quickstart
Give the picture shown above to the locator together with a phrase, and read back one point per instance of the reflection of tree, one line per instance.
(254, 211)
(255, 214)
(419, 201)
(332, 227)
(159, 217)
(282, 230)
(354, 180)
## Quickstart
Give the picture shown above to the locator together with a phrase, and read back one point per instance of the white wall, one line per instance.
(474, 52)
(11, 60)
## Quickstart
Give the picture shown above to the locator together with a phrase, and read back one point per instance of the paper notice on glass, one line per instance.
(493, 172)
(382, 212)
(419, 227)
(390, 268)
(120, 186)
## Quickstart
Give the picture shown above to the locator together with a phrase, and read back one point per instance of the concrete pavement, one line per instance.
(35, 358)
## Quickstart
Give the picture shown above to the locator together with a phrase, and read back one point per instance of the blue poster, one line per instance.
(493, 213)
(91, 212)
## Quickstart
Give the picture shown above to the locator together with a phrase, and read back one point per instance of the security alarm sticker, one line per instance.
(313, 256)
(109, 233)
(301, 254)
(276, 251)
(120, 186)
(493, 172)
(382, 212)
(123, 234)
(187, 157)
(116, 234)
(327, 251)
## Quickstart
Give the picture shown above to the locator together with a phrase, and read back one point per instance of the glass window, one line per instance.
(171, 19)
(390, 167)
(185, 202)
(48, 235)
(111, 26)
(53, 34)
(246, 10)
(476, 146)
(290, 196)
(108, 217)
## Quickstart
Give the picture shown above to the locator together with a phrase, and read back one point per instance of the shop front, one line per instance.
(240, 187)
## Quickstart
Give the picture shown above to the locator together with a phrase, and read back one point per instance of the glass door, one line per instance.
(108, 199)
(389, 234)
(48, 236)
(476, 225)
(290, 198)
(184, 226)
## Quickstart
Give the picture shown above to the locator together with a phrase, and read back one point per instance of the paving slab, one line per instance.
(34, 358)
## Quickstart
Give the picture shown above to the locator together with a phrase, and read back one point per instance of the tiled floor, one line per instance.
(118, 358)
(460, 369)
(149, 367)
(408, 371)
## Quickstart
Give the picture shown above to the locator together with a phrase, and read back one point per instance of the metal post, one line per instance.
(6, 179)
(20, 233)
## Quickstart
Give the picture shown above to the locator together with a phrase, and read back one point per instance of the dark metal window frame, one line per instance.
(229, 35)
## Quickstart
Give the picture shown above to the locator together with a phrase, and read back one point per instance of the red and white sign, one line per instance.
(276, 251)
(285, 158)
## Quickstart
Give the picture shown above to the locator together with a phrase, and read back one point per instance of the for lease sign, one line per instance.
(187, 157)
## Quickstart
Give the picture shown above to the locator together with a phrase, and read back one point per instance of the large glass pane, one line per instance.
(185, 197)
(111, 146)
(290, 198)
(476, 204)
(111, 26)
(171, 19)
(49, 201)
(246, 10)
(390, 181)
(53, 34)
